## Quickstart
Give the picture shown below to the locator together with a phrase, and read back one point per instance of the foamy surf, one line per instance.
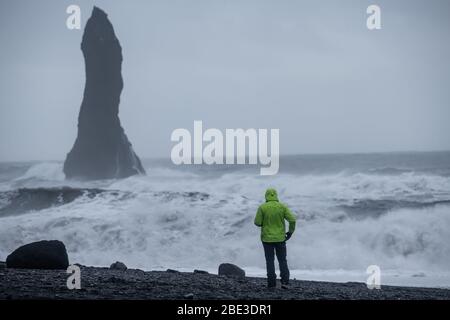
(173, 218)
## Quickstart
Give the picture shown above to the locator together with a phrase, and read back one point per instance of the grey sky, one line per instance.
(310, 68)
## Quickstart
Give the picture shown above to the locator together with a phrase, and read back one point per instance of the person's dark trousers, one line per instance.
(270, 250)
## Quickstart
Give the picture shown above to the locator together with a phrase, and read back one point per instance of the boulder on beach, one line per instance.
(200, 271)
(118, 266)
(172, 271)
(39, 255)
(231, 270)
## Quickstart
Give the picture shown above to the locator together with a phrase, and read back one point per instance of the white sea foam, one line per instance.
(50, 171)
(175, 219)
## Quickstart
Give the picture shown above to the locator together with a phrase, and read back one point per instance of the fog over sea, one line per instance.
(354, 210)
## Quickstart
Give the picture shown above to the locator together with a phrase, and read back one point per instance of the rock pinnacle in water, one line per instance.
(101, 149)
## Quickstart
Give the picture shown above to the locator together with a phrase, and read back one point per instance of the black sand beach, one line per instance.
(104, 283)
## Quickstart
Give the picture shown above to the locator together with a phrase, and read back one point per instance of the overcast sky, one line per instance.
(310, 68)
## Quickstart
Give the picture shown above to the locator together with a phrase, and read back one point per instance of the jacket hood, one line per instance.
(271, 195)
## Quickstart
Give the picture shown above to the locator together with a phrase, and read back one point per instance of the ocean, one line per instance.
(354, 210)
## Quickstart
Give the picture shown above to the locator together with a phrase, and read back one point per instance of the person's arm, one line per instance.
(259, 218)
(289, 216)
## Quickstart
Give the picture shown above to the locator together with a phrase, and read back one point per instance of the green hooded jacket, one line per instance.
(271, 216)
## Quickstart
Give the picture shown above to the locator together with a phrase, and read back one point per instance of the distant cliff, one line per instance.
(101, 149)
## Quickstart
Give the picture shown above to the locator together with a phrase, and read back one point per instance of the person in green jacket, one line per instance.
(271, 217)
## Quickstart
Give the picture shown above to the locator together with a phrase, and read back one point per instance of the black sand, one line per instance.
(103, 283)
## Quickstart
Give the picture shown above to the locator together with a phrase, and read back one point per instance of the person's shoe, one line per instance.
(285, 286)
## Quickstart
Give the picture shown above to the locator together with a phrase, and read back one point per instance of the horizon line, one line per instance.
(281, 155)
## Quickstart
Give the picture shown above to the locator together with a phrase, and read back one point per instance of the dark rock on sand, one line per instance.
(101, 149)
(118, 266)
(104, 283)
(172, 271)
(39, 255)
(201, 271)
(231, 270)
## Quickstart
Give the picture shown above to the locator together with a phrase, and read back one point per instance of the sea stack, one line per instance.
(101, 149)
